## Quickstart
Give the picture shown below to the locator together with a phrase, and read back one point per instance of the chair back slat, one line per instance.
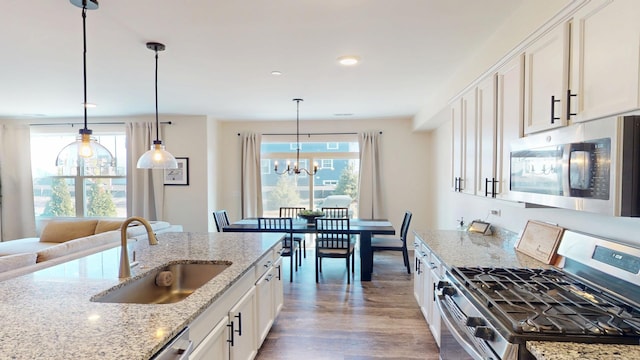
(405, 225)
(292, 212)
(221, 218)
(335, 212)
(333, 233)
(283, 224)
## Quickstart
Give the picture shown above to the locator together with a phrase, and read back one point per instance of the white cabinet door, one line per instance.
(487, 140)
(434, 325)
(510, 86)
(546, 81)
(265, 303)
(278, 291)
(469, 144)
(418, 274)
(456, 145)
(215, 345)
(243, 328)
(424, 276)
(605, 58)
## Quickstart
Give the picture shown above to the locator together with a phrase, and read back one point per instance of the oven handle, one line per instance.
(446, 316)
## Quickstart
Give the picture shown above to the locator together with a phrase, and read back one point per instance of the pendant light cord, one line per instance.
(84, 62)
(157, 122)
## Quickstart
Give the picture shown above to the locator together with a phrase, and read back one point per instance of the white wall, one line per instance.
(405, 159)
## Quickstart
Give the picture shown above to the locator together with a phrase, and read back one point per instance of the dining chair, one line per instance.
(221, 218)
(289, 248)
(293, 212)
(335, 212)
(380, 243)
(334, 241)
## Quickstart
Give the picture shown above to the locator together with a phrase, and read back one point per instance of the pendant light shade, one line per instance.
(157, 157)
(86, 147)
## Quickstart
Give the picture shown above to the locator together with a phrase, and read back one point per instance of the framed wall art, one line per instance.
(179, 176)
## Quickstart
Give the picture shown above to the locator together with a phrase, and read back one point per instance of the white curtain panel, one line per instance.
(17, 214)
(370, 197)
(251, 176)
(145, 187)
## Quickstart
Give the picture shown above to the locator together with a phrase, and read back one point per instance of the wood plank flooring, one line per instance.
(365, 320)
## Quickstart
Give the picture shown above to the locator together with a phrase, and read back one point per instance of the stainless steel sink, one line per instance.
(165, 285)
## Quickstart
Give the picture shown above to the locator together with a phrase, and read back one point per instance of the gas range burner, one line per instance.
(536, 324)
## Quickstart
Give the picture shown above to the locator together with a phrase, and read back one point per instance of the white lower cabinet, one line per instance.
(235, 325)
(242, 317)
(435, 277)
(215, 345)
(425, 285)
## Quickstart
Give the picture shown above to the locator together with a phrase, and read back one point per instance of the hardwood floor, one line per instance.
(365, 320)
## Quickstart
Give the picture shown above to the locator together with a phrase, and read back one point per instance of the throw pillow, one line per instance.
(61, 231)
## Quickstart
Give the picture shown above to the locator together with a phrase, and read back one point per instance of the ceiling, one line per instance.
(220, 54)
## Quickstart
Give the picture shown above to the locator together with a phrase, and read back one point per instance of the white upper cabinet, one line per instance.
(469, 145)
(546, 80)
(510, 98)
(487, 137)
(605, 59)
(464, 149)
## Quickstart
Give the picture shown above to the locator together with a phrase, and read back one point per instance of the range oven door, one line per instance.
(454, 342)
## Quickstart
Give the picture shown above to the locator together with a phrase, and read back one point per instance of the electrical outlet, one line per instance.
(495, 212)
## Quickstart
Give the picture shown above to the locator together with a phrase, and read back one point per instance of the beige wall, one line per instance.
(405, 159)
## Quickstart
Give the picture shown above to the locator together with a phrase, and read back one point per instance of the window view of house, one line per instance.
(83, 190)
(338, 164)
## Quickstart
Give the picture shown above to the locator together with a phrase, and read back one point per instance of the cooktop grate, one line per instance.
(547, 301)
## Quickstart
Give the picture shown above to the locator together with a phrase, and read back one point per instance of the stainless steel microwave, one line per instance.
(592, 166)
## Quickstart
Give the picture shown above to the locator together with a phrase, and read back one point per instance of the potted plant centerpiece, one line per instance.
(310, 215)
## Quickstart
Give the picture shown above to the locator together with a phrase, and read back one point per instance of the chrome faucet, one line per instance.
(125, 269)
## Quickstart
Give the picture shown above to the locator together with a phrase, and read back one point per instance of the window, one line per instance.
(337, 174)
(84, 191)
(326, 164)
(332, 146)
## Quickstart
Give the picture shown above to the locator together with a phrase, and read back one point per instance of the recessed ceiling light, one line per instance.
(89, 105)
(343, 114)
(276, 73)
(348, 60)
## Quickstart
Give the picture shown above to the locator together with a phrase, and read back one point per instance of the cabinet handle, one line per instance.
(231, 331)
(569, 96)
(553, 109)
(268, 278)
(239, 331)
(486, 187)
(493, 186)
(279, 272)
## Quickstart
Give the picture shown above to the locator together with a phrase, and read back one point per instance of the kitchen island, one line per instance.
(49, 314)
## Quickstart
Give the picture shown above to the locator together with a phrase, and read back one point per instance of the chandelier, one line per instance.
(296, 166)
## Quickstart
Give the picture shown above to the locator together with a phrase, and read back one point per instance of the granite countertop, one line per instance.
(545, 350)
(462, 248)
(48, 314)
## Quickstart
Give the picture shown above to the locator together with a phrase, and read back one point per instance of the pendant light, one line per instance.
(85, 147)
(157, 157)
(296, 166)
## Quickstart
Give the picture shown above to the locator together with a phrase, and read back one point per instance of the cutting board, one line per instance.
(540, 241)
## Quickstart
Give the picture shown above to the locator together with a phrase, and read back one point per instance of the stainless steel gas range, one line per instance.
(490, 313)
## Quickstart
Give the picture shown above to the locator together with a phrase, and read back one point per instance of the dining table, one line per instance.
(365, 228)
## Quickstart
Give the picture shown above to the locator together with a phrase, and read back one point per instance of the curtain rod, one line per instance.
(311, 134)
(92, 123)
